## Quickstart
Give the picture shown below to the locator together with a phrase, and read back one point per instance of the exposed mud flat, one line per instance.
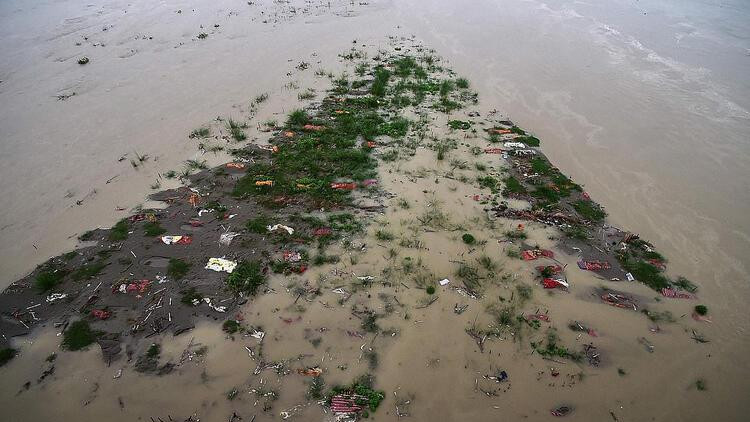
(331, 300)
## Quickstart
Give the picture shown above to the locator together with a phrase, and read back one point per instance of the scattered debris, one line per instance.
(275, 227)
(221, 264)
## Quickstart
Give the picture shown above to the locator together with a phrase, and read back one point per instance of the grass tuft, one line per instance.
(202, 132)
(177, 268)
(119, 231)
(153, 229)
(236, 131)
(50, 277)
(247, 277)
(6, 354)
(79, 335)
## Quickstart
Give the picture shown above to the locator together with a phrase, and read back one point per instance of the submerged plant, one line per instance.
(247, 277)
(78, 335)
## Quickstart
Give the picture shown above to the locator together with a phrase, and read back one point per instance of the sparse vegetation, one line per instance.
(201, 132)
(88, 271)
(247, 277)
(468, 238)
(153, 229)
(589, 210)
(177, 268)
(49, 277)
(78, 335)
(230, 326)
(119, 231)
(384, 235)
(513, 186)
(6, 354)
(236, 130)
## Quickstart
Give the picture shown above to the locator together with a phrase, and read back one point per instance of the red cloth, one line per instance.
(323, 231)
(344, 186)
(532, 254)
(101, 313)
(346, 403)
(674, 294)
(550, 283)
(138, 286)
(594, 265)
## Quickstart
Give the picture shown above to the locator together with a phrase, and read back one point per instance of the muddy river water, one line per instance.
(647, 104)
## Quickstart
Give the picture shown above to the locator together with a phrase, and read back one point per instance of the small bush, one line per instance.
(316, 387)
(230, 326)
(646, 273)
(469, 275)
(153, 229)
(202, 132)
(701, 309)
(177, 268)
(153, 351)
(430, 290)
(686, 284)
(524, 291)
(6, 355)
(78, 336)
(468, 239)
(384, 235)
(381, 82)
(297, 119)
(459, 124)
(259, 224)
(369, 323)
(189, 296)
(119, 231)
(236, 131)
(49, 278)
(589, 210)
(88, 271)
(512, 185)
(247, 277)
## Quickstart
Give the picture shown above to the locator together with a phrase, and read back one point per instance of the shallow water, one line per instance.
(646, 104)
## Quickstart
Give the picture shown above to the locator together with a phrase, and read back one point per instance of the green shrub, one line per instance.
(259, 224)
(589, 210)
(119, 231)
(6, 355)
(88, 271)
(247, 277)
(230, 326)
(177, 268)
(153, 229)
(512, 185)
(50, 277)
(78, 336)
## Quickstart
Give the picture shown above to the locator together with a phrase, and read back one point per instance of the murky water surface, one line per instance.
(645, 103)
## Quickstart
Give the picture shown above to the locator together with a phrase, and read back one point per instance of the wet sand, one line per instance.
(688, 219)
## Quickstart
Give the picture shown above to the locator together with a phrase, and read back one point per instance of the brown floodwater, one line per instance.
(645, 105)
